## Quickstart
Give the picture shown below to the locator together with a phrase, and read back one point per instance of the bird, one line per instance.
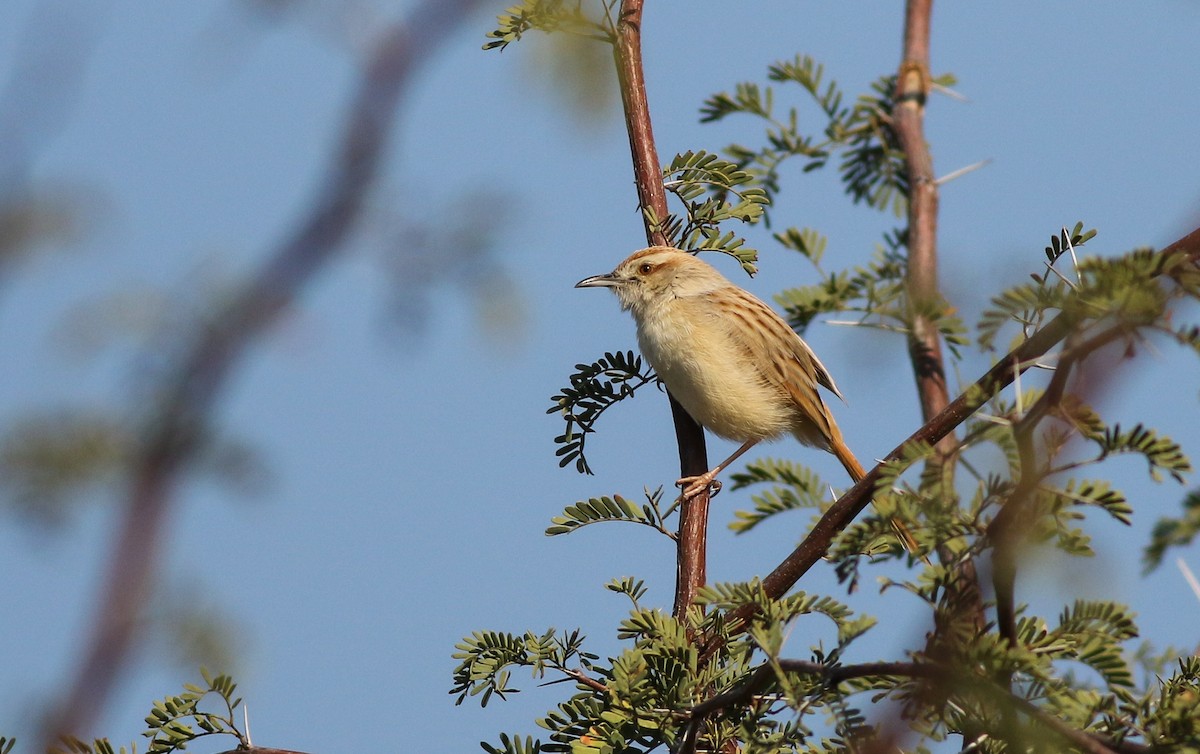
(729, 359)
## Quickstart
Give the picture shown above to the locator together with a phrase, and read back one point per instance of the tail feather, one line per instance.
(857, 473)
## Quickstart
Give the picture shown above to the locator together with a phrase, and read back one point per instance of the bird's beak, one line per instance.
(599, 281)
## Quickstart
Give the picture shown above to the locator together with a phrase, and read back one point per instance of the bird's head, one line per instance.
(656, 275)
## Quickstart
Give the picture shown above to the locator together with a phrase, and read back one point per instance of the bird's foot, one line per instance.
(694, 485)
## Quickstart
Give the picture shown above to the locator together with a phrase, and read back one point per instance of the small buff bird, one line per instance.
(733, 364)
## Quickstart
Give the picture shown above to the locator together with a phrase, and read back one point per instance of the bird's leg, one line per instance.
(694, 485)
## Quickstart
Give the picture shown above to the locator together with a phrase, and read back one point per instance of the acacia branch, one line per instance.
(908, 123)
(947, 678)
(1008, 528)
(1000, 376)
(647, 170)
(913, 82)
(177, 422)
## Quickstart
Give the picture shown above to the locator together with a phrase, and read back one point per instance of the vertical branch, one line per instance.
(176, 425)
(964, 600)
(647, 170)
(912, 88)
(652, 196)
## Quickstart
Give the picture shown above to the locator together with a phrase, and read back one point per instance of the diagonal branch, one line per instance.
(765, 676)
(1000, 376)
(853, 501)
(176, 424)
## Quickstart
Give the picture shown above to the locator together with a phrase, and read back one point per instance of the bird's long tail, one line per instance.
(857, 472)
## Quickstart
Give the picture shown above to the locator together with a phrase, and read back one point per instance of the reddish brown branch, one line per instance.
(924, 297)
(1000, 376)
(908, 123)
(947, 678)
(1007, 530)
(647, 171)
(586, 680)
(190, 391)
(261, 750)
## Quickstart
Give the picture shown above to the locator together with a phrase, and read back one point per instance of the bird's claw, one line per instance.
(694, 485)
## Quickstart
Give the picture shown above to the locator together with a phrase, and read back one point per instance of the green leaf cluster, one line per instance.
(641, 699)
(713, 191)
(872, 166)
(566, 16)
(486, 660)
(594, 388)
(876, 293)
(73, 745)
(51, 461)
(616, 508)
(174, 721)
(1174, 532)
(794, 486)
(729, 674)
(1114, 295)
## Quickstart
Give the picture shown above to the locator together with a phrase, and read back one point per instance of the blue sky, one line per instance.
(411, 468)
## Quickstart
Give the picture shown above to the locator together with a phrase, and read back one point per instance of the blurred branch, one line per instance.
(35, 105)
(36, 101)
(180, 410)
(652, 197)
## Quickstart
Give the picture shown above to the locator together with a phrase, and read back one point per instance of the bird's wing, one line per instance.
(780, 355)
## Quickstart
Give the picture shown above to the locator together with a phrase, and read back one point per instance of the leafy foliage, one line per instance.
(486, 657)
(795, 487)
(49, 461)
(73, 745)
(168, 729)
(615, 508)
(1162, 453)
(1113, 296)
(876, 292)
(175, 721)
(633, 702)
(1174, 532)
(704, 183)
(1067, 241)
(727, 674)
(513, 745)
(594, 389)
(548, 16)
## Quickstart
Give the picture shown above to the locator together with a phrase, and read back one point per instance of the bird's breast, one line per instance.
(710, 374)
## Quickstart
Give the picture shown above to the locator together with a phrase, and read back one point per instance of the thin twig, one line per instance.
(584, 679)
(1188, 576)
(1006, 529)
(953, 174)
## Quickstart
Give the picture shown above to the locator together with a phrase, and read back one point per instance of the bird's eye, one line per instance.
(645, 268)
